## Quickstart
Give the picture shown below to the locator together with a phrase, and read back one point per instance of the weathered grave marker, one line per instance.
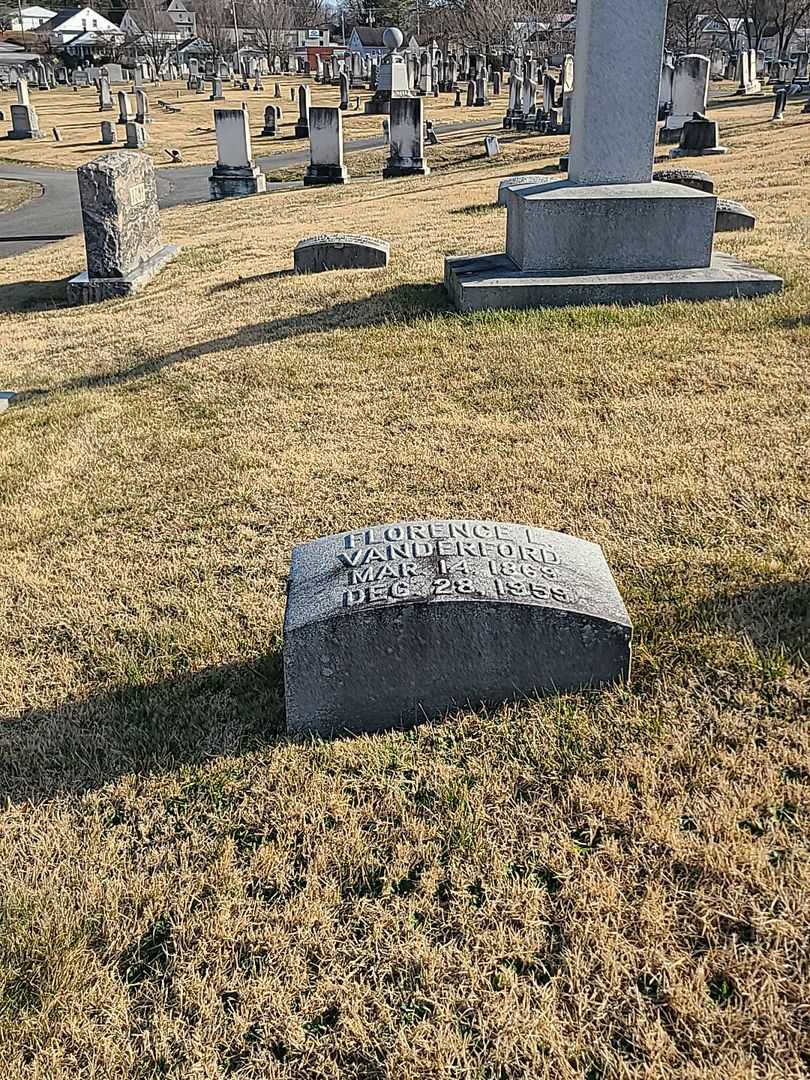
(407, 139)
(121, 227)
(235, 173)
(325, 148)
(339, 252)
(388, 625)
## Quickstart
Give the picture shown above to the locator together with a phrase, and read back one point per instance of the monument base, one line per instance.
(486, 282)
(34, 134)
(326, 174)
(603, 228)
(377, 107)
(86, 290)
(235, 181)
(707, 152)
(302, 131)
(418, 168)
(668, 136)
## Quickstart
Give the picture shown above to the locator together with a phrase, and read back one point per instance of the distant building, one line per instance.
(31, 18)
(316, 38)
(168, 22)
(368, 41)
(81, 32)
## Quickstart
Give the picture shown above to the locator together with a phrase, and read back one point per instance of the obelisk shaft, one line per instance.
(617, 73)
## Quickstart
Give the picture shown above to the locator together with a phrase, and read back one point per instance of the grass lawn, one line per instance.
(597, 886)
(191, 130)
(14, 193)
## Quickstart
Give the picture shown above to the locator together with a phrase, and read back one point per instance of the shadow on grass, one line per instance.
(772, 616)
(478, 208)
(80, 746)
(237, 283)
(401, 304)
(34, 295)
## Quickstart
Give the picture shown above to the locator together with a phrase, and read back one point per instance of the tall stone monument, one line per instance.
(608, 234)
(121, 227)
(392, 76)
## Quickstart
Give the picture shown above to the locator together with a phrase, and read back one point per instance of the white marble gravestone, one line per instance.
(325, 147)
(235, 173)
(690, 94)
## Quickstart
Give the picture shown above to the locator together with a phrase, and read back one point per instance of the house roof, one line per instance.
(159, 21)
(59, 18)
(370, 36)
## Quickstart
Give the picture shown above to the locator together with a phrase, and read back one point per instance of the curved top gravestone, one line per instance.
(339, 251)
(389, 625)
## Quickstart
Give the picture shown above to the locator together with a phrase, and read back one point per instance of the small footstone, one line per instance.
(339, 252)
(391, 625)
(733, 217)
(6, 398)
(692, 178)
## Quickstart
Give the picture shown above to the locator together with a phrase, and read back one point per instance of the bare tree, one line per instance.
(157, 33)
(269, 19)
(749, 17)
(788, 16)
(214, 23)
(684, 24)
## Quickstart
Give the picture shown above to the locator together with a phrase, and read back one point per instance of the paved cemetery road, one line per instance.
(55, 213)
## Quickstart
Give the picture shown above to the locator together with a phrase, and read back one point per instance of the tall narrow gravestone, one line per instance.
(325, 147)
(407, 139)
(302, 123)
(121, 227)
(235, 173)
(396, 623)
(610, 233)
(24, 123)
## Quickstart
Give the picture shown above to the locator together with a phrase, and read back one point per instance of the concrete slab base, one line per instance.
(393, 171)
(485, 282)
(317, 175)
(236, 181)
(710, 152)
(84, 290)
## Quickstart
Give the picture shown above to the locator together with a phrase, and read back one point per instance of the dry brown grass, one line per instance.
(598, 886)
(192, 130)
(14, 193)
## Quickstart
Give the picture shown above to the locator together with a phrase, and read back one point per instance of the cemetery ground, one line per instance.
(192, 129)
(598, 885)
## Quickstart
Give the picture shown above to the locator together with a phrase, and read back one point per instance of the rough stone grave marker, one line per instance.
(392, 624)
(121, 227)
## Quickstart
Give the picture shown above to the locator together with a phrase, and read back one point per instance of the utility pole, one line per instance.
(236, 36)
